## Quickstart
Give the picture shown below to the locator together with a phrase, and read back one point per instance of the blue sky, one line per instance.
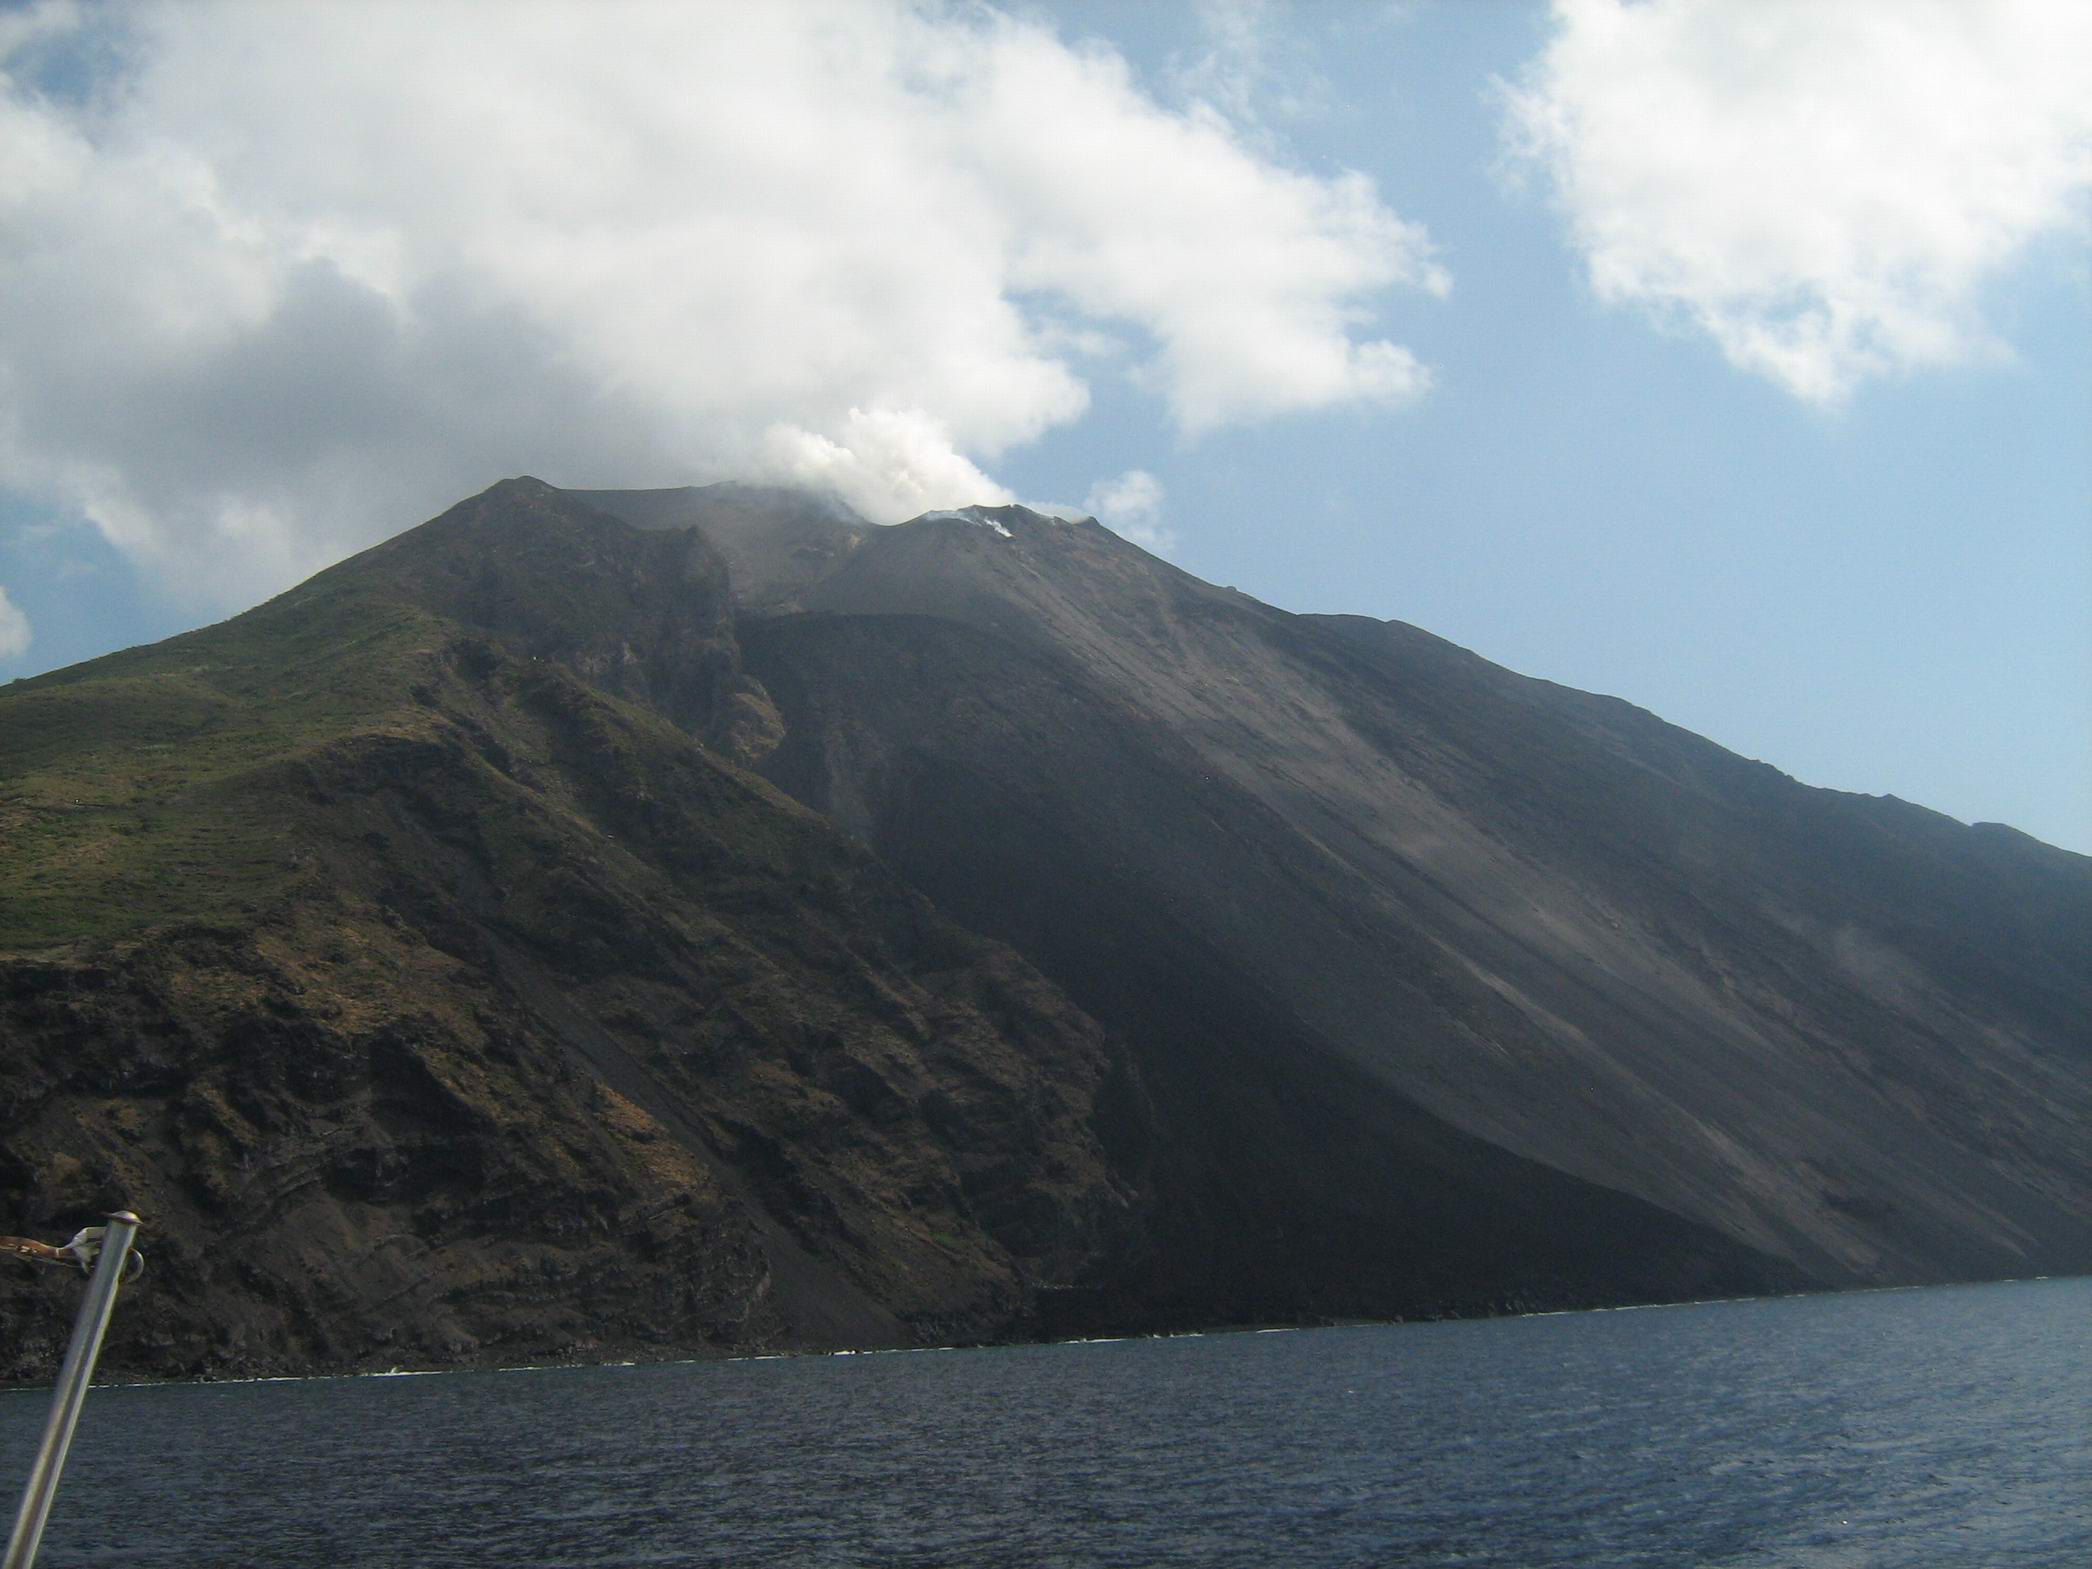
(1756, 389)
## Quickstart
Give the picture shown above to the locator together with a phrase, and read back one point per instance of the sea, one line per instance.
(1931, 1428)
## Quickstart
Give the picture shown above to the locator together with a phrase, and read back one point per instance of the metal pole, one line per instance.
(71, 1390)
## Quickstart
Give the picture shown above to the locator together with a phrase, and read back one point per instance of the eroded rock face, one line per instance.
(327, 1190)
(647, 617)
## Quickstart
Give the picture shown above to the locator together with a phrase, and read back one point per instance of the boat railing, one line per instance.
(106, 1251)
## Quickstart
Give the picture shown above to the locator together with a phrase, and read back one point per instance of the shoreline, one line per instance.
(684, 1358)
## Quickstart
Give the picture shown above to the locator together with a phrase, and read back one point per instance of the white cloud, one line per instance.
(14, 629)
(304, 272)
(1822, 186)
(1131, 507)
(1255, 62)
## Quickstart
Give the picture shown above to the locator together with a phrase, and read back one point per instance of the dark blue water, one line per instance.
(1926, 1428)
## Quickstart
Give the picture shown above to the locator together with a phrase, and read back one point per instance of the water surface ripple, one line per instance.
(1937, 1428)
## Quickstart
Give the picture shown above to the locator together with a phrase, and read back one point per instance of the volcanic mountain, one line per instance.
(605, 921)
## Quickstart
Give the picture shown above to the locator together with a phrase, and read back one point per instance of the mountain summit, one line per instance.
(700, 918)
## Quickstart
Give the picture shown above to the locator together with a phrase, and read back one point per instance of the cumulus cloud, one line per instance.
(14, 629)
(1131, 507)
(1822, 186)
(277, 278)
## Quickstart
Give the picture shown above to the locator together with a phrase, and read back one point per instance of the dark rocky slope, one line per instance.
(1847, 1032)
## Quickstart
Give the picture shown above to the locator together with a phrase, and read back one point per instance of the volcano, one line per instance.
(614, 921)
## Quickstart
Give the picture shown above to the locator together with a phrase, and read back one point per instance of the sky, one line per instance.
(1732, 358)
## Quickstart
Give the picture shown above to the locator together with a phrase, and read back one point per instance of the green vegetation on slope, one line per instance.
(131, 791)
